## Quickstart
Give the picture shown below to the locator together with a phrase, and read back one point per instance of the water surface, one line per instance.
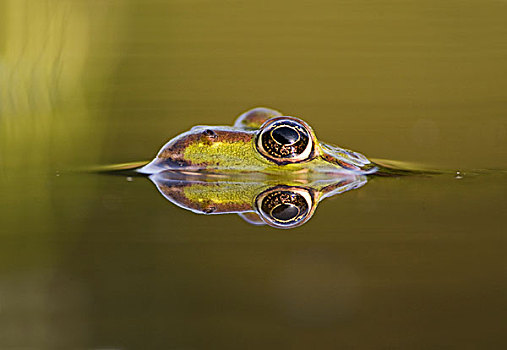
(95, 261)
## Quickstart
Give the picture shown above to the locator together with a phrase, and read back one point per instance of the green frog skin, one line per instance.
(261, 141)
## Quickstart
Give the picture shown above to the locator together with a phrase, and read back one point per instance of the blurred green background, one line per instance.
(89, 261)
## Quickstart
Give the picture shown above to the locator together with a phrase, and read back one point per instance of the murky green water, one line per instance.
(96, 261)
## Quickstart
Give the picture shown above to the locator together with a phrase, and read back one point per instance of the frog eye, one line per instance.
(285, 140)
(284, 206)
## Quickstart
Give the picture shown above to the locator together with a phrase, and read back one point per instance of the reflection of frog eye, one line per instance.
(284, 206)
(285, 140)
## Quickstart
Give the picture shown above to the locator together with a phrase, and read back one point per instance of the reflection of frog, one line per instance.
(261, 141)
(278, 203)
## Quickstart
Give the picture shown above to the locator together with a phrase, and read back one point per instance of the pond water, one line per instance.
(91, 261)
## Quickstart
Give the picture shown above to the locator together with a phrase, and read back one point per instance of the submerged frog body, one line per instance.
(262, 140)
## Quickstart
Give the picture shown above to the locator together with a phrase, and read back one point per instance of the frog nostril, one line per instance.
(209, 210)
(210, 133)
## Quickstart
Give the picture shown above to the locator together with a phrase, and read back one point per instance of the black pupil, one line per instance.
(285, 212)
(285, 135)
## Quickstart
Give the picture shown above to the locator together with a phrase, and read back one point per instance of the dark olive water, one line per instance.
(95, 261)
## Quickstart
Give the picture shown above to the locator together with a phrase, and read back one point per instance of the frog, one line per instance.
(267, 167)
(283, 203)
(262, 140)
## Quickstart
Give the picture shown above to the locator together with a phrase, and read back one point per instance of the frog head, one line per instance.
(261, 141)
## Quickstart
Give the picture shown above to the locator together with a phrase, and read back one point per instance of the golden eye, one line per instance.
(285, 140)
(284, 206)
